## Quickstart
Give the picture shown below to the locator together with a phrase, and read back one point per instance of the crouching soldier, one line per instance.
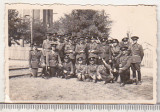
(67, 67)
(104, 71)
(81, 69)
(124, 67)
(53, 61)
(92, 69)
(35, 57)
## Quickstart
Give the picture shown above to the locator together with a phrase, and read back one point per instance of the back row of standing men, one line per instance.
(92, 58)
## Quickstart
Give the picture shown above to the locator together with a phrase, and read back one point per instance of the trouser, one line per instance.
(80, 76)
(136, 67)
(125, 76)
(115, 65)
(53, 71)
(34, 72)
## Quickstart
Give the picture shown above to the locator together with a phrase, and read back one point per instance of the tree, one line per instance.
(84, 23)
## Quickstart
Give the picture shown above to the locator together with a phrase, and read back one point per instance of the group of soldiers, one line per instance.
(88, 58)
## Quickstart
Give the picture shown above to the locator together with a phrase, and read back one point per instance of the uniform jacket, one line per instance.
(34, 58)
(46, 46)
(81, 68)
(68, 66)
(105, 52)
(92, 69)
(80, 51)
(137, 53)
(53, 59)
(70, 50)
(93, 50)
(125, 62)
(103, 71)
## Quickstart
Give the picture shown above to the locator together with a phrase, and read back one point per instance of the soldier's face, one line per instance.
(65, 60)
(126, 42)
(91, 62)
(80, 61)
(134, 41)
(115, 44)
(53, 48)
(34, 47)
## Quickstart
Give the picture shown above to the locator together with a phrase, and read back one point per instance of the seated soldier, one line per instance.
(104, 72)
(67, 68)
(92, 69)
(81, 69)
(124, 67)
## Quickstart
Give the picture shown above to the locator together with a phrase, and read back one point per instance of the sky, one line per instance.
(139, 20)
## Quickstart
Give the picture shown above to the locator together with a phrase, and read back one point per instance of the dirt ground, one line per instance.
(25, 88)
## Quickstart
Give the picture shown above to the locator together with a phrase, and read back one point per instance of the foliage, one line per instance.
(84, 23)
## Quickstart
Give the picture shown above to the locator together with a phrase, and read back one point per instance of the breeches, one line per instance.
(135, 67)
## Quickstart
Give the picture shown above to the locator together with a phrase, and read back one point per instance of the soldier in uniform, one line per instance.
(126, 43)
(115, 55)
(81, 69)
(60, 47)
(104, 51)
(80, 50)
(67, 67)
(104, 72)
(53, 61)
(69, 49)
(93, 49)
(46, 46)
(124, 67)
(92, 69)
(137, 57)
(35, 57)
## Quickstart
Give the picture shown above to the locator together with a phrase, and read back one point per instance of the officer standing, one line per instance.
(69, 49)
(46, 46)
(115, 55)
(93, 49)
(137, 57)
(80, 50)
(104, 51)
(126, 43)
(35, 57)
(124, 67)
(53, 61)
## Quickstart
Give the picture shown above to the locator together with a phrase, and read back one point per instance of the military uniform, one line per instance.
(35, 57)
(93, 49)
(137, 56)
(60, 48)
(81, 70)
(69, 50)
(103, 73)
(80, 51)
(67, 68)
(115, 55)
(92, 69)
(53, 61)
(124, 67)
(125, 43)
(104, 52)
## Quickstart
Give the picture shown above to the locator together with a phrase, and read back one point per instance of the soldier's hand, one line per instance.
(48, 67)
(110, 61)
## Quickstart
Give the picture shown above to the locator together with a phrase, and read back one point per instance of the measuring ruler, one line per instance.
(78, 108)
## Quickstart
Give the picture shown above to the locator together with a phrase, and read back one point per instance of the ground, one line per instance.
(24, 88)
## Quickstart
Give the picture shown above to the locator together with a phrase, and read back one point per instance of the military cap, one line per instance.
(109, 41)
(115, 41)
(91, 58)
(66, 57)
(103, 39)
(80, 59)
(134, 38)
(125, 39)
(93, 38)
(34, 44)
(124, 48)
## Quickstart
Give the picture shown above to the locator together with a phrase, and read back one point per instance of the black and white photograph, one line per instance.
(80, 54)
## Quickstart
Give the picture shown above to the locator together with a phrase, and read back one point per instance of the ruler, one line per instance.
(78, 108)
